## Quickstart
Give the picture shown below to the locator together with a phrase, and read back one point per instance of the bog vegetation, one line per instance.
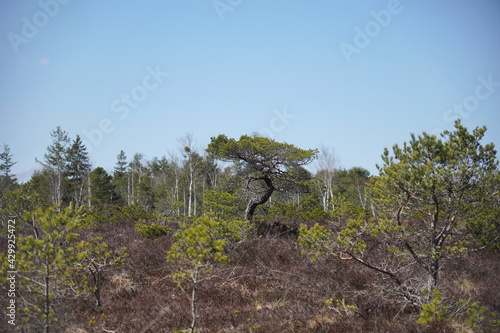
(241, 237)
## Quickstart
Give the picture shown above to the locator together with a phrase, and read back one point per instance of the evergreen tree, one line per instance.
(55, 162)
(436, 199)
(6, 178)
(51, 266)
(121, 165)
(120, 179)
(102, 188)
(269, 161)
(78, 168)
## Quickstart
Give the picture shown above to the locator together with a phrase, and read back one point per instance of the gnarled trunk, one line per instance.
(255, 201)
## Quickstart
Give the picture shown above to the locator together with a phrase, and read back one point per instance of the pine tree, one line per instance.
(103, 191)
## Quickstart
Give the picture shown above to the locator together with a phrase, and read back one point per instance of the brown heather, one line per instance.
(267, 286)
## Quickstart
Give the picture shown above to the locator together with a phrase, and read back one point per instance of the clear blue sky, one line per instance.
(357, 76)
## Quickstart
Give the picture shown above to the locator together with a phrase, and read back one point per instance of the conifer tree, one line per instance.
(6, 178)
(435, 199)
(78, 168)
(121, 178)
(265, 159)
(55, 163)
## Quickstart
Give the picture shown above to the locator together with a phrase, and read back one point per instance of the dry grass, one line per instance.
(267, 286)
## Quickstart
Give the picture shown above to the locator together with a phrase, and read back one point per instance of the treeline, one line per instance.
(177, 185)
(406, 233)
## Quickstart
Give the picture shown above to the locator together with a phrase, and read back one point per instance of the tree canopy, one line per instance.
(265, 157)
(435, 199)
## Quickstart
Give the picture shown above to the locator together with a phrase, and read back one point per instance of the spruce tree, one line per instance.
(78, 168)
(6, 178)
(55, 163)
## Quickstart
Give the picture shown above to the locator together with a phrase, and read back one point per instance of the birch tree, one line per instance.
(192, 164)
(327, 167)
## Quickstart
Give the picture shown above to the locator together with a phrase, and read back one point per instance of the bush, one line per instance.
(233, 231)
(151, 230)
(111, 213)
(309, 209)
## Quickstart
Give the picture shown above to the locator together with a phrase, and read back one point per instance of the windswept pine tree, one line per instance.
(267, 161)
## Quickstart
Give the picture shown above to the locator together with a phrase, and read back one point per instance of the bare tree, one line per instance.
(191, 157)
(328, 164)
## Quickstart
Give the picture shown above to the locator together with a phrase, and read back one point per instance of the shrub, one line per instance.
(151, 230)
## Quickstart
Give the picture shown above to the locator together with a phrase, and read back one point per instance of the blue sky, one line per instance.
(356, 76)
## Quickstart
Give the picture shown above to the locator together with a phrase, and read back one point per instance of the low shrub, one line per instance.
(151, 230)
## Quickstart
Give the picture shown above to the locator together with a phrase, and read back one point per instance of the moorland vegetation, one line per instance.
(241, 237)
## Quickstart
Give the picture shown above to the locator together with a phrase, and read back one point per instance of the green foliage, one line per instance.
(46, 262)
(106, 214)
(151, 230)
(434, 200)
(194, 251)
(265, 160)
(134, 212)
(220, 203)
(308, 209)
(315, 241)
(341, 307)
(53, 262)
(477, 317)
(103, 190)
(197, 246)
(472, 314)
(433, 311)
(95, 257)
(111, 214)
(456, 175)
(342, 208)
(232, 231)
(261, 154)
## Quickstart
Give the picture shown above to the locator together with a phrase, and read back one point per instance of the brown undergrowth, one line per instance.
(267, 286)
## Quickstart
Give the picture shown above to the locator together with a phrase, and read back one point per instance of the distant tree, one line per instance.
(176, 173)
(220, 203)
(6, 177)
(360, 178)
(328, 165)
(121, 165)
(120, 179)
(192, 163)
(55, 162)
(78, 168)
(436, 199)
(136, 171)
(300, 185)
(267, 159)
(352, 184)
(211, 172)
(102, 188)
